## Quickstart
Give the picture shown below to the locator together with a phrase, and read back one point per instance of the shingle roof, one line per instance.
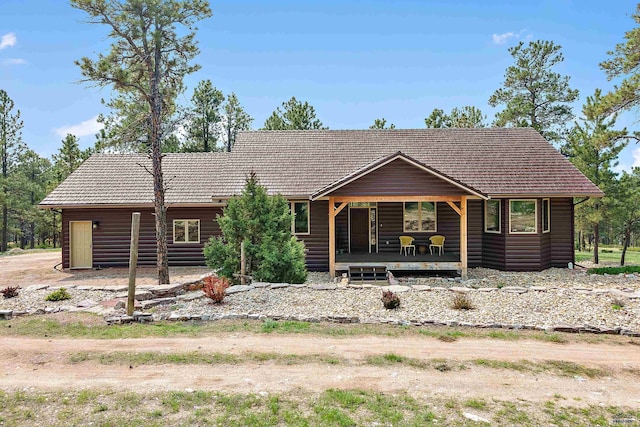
(494, 161)
(121, 179)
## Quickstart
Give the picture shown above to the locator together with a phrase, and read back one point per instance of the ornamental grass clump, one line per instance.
(390, 300)
(58, 295)
(462, 302)
(10, 291)
(215, 288)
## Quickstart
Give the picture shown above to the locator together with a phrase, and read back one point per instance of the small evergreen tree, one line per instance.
(263, 222)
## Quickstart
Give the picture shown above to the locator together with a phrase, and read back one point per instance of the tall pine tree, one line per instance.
(533, 94)
(11, 147)
(294, 115)
(146, 65)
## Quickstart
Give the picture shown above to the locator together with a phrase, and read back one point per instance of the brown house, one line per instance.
(502, 198)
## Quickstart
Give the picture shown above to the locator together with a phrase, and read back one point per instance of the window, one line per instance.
(300, 220)
(186, 231)
(523, 217)
(546, 215)
(492, 216)
(420, 216)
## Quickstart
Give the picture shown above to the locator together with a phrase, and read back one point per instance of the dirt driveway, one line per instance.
(46, 364)
(38, 268)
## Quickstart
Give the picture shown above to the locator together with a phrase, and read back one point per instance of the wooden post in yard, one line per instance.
(243, 265)
(133, 261)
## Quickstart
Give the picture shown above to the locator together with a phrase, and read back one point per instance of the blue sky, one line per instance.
(354, 61)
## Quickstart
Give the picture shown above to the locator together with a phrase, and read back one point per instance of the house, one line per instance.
(503, 198)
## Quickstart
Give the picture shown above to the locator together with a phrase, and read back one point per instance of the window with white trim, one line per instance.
(523, 216)
(300, 221)
(186, 231)
(419, 216)
(492, 216)
(546, 215)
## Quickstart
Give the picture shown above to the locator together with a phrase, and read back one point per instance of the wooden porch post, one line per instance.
(332, 239)
(463, 237)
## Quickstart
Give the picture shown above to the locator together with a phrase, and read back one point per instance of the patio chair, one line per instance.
(437, 241)
(406, 242)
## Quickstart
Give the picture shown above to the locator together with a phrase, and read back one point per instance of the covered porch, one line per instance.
(379, 256)
(393, 197)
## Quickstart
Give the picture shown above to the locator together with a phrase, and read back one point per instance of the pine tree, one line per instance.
(11, 147)
(533, 94)
(381, 124)
(205, 118)
(295, 115)
(465, 117)
(263, 223)
(146, 65)
(593, 147)
(69, 157)
(235, 120)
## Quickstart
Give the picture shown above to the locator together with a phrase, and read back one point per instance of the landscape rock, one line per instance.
(475, 418)
(87, 303)
(6, 314)
(32, 288)
(459, 289)
(161, 291)
(239, 288)
(260, 284)
(190, 296)
(515, 289)
(397, 288)
(156, 302)
(140, 295)
(322, 287)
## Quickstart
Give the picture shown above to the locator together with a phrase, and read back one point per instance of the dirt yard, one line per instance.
(46, 364)
(38, 268)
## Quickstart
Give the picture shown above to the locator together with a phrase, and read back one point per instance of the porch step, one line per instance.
(369, 273)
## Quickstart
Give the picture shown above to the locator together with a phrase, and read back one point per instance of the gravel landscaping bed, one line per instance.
(556, 299)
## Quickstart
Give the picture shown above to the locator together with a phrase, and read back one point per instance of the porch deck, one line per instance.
(400, 262)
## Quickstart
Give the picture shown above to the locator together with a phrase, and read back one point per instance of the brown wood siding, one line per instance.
(561, 235)
(342, 229)
(474, 233)
(317, 242)
(523, 252)
(493, 245)
(191, 254)
(390, 228)
(399, 178)
(112, 237)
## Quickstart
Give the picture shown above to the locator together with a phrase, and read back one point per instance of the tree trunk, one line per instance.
(156, 160)
(625, 245)
(32, 231)
(5, 227)
(596, 238)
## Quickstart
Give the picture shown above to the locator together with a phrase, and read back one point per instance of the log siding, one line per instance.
(504, 251)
